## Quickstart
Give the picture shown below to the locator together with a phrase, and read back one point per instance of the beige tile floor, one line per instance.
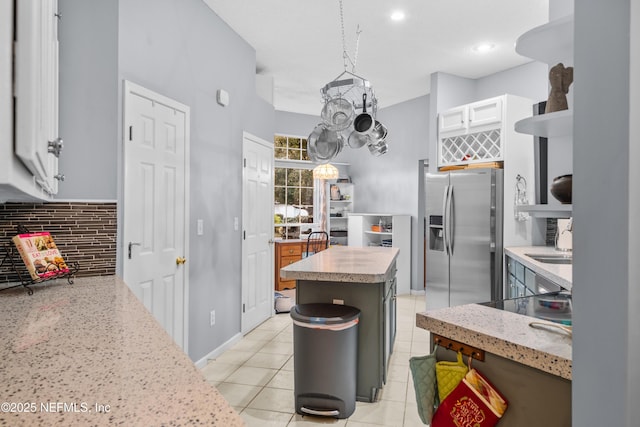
(256, 376)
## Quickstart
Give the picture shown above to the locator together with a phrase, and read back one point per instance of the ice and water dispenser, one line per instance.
(436, 233)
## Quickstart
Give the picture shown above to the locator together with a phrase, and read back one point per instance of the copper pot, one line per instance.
(561, 188)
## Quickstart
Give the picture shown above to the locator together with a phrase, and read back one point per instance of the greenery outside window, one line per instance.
(293, 187)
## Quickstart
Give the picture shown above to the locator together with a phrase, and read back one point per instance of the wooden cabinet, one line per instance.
(287, 252)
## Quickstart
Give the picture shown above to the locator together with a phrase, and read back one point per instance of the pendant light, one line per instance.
(325, 171)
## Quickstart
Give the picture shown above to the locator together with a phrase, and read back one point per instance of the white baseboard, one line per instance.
(218, 351)
(417, 292)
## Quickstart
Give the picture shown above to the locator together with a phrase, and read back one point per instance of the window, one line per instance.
(293, 188)
(290, 148)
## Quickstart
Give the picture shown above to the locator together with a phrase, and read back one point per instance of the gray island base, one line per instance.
(530, 367)
(364, 278)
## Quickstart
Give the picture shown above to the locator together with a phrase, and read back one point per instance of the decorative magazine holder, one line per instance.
(12, 258)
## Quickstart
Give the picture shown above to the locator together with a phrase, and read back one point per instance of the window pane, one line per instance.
(307, 196)
(307, 178)
(294, 142)
(293, 177)
(280, 177)
(280, 141)
(279, 196)
(280, 153)
(293, 154)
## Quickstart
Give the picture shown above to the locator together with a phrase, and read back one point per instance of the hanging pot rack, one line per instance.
(358, 92)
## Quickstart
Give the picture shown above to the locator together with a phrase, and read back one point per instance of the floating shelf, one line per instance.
(549, 43)
(551, 125)
(547, 211)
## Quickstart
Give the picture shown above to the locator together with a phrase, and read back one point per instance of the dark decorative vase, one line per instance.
(561, 188)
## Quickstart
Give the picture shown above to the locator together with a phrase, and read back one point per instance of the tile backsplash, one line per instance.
(83, 232)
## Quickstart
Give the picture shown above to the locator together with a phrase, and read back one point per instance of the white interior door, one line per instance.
(257, 226)
(155, 226)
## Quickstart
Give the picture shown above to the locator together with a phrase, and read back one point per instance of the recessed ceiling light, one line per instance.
(397, 15)
(483, 47)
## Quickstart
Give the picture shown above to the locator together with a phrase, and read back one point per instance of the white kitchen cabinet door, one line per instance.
(453, 121)
(485, 112)
(36, 89)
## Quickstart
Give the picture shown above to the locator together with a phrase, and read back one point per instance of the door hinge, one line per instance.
(243, 308)
(245, 162)
(130, 133)
(244, 235)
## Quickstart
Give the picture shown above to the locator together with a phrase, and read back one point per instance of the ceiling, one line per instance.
(299, 45)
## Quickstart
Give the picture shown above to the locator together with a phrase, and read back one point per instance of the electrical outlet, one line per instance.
(338, 301)
(213, 317)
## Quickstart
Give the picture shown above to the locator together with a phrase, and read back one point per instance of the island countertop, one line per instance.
(504, 334)
(91, 354)
(345, 264)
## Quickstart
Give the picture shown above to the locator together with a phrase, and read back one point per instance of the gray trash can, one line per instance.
(325, 353)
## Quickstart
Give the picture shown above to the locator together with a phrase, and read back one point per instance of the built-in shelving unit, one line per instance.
(339, 205)
(550, 43)
(396, 233)
(547, 211)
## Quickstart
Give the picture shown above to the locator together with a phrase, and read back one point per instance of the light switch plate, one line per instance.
(200, 227)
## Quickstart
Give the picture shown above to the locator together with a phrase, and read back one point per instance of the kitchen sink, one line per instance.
(552, 258)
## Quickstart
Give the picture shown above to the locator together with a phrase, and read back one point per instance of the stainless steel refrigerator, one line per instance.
(464, 211)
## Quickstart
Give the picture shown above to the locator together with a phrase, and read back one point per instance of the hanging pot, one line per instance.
(379, 132)
(364, 122)
(337, 114)
(357, 140)
(323, 144)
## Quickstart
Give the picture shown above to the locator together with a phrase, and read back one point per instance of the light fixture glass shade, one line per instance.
(326, 171)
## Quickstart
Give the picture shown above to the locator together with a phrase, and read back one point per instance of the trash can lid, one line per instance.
(326, 314)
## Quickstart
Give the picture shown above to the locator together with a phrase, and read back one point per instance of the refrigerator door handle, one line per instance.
(445, 221)
(452, 225)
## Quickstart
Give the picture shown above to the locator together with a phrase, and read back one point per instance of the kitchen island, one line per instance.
(91, 354)
(364, 278)
(531, 367)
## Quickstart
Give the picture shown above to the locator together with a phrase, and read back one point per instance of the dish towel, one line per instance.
(423, 371)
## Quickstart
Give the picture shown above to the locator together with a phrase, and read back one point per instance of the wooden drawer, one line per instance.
(286, 260)
(290, 250)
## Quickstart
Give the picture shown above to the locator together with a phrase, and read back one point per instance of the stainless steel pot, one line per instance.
(323, 144)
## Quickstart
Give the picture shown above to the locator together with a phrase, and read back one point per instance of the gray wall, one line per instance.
(295, 124)
(183, 51)
(606, 341)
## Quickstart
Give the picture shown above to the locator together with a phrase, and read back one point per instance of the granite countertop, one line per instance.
(345, 264)
(562, 274)
(91, 354)
(504, 334)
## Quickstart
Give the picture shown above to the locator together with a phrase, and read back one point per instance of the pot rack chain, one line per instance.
(345, 55)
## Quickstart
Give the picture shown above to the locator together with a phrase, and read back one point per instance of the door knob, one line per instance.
(180, 260)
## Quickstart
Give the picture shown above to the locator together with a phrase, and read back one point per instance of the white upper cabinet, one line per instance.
(37, 142)
(470, 117)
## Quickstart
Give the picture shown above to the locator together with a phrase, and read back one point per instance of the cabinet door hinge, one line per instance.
(243, 308)
(244, 235)
(130, 133)
(244, 162)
